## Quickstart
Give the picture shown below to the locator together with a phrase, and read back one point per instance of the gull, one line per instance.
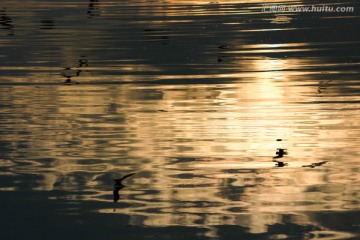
(118, 186)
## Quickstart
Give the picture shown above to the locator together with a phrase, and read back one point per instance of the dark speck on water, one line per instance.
(317, 164)
(200, 98)
(224, 47)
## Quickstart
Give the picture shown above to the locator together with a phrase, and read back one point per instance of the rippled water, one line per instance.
(195, 98)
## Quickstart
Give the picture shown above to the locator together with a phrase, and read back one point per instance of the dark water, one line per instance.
(192, 96)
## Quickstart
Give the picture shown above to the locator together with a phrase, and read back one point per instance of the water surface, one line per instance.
(195, 97)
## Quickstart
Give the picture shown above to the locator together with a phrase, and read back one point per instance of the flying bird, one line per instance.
(118, 186)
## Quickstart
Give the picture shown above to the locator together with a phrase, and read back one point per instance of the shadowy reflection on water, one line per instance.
(190, 95)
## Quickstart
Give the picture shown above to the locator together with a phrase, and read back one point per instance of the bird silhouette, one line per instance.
(280, 153)
(118, 186)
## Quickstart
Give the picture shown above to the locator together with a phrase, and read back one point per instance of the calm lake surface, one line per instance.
(194, 97)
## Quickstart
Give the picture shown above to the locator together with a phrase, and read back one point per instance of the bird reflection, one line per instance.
(280, 164)
(68, 73)
(6, 21)
(118, 186)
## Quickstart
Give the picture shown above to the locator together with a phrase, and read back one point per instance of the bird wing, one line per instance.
(126, 176)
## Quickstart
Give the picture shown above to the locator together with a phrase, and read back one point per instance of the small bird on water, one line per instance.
(280, 153)
(118, 186)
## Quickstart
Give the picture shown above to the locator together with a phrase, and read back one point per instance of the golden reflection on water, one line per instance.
(196, 150)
